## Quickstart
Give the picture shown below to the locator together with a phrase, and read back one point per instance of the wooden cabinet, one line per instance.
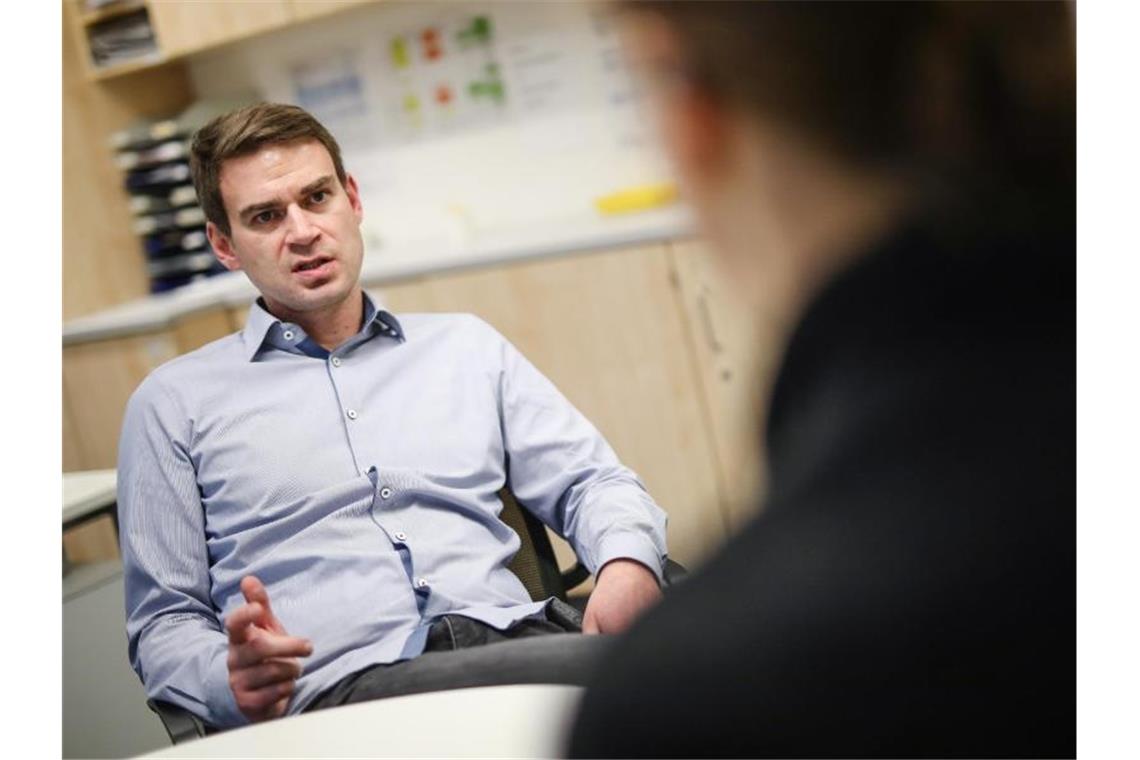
(125, 50)
(72, 454)
(303, 10)
(103, 263)
(608, 330)
(736, 357)
(185, 26)
(99, 378)
(238, 316)
(196, 330)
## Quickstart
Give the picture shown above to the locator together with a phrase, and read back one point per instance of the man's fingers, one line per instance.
(239, 621)
(253, 589)
(266, 674)
(266, 702)
(263, 646)
(254, 592)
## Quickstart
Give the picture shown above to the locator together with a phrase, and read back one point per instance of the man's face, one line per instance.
(295, 230)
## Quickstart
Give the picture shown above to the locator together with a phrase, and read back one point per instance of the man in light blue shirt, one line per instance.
(322, 486)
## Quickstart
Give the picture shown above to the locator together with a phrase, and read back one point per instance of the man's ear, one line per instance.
(223, 247)
(353, 191)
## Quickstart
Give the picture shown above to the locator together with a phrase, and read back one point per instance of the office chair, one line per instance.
(534, 564)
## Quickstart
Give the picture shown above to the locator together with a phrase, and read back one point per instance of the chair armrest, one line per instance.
(673, 573)
(181, 725)
(575, 576)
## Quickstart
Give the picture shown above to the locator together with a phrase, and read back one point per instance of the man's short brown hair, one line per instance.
(242, 132)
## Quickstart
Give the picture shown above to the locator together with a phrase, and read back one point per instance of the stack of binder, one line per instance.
(122, 39)
(167, 217)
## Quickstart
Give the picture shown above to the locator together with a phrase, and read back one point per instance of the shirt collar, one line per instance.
(263, 329)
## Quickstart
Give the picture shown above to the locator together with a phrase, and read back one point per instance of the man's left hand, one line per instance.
(625, 588)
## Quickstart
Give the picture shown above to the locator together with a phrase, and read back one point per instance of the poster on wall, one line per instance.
(465, 121)
(445, 77)
(332, 89)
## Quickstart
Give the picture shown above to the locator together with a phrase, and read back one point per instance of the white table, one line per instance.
(491, 721)
(87, 494)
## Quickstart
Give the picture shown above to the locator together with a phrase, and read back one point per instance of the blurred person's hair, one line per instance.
(976, 95)
(241, 133)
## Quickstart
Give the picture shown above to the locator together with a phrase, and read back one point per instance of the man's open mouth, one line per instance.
(316, 263)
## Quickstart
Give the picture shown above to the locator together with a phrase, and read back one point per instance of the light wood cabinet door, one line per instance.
(196, 330)
(238, 315)
(72, 455)
(187, 26)
(303, 10)
(608, 331)
(99, 378)
(737, 356)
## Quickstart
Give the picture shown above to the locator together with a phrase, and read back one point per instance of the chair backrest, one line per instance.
(535, 564)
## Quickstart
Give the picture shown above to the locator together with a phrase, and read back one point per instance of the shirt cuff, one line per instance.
(224, 712)
(633, 546)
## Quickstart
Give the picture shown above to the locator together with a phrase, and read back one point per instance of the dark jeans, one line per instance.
(462, 653)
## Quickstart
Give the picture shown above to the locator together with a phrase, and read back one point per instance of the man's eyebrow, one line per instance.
(256, 208)
(316, 184)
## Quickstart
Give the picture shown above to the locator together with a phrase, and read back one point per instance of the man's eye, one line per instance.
(265, 217)
(320, 196)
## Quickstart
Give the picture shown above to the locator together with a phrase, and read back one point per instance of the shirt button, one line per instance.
(401, 535)
(385, 492)
(336, 361)
(352, 415)
(288, 335)
(421, 583)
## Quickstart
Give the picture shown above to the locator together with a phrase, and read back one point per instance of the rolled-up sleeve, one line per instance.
(563, 470)
(176, 642)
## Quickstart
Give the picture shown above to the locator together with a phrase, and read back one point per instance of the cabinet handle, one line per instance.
(706, 319)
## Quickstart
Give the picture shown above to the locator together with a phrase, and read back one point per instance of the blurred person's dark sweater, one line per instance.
(895, 182)
(910, 588)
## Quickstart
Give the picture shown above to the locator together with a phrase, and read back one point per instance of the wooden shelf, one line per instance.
(115, 10)
(148, 61)
(184, 29)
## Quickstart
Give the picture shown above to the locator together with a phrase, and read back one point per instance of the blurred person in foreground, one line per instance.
(897, 183)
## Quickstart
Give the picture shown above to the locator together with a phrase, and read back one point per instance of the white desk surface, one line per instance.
(491, 721)
(87, 491)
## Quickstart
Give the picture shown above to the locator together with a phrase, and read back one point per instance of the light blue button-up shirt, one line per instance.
(359, 486)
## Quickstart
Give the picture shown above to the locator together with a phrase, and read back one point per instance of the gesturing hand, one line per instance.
(262, 657)
(625, 588)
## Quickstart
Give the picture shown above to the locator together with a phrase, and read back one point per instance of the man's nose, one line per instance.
(299, 228)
